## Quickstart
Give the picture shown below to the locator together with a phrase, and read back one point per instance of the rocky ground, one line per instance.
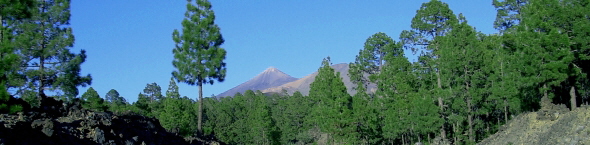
(552, 125)
(67, 123)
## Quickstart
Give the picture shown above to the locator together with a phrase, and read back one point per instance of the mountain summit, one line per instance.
(271, 77)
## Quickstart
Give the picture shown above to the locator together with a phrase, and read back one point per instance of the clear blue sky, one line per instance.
(129, 42)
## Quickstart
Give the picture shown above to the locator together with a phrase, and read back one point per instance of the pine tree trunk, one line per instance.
(443, 134)
(1, 29)
(469, 111)
(419, 138)
(41, 76)
(200, 117)
(573, 98)
(505, 97)
(470, 119)
(505, 110)
(487, 123)
(42, 60)
(429, 139)
(545, 91)
(403, 140)
(381, 60)
(455, 141)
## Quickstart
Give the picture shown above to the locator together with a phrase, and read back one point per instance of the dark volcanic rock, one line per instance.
(59, 123)
(45, 125)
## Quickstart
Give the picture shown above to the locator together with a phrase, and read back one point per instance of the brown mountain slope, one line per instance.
(271, 77)
(302, 85)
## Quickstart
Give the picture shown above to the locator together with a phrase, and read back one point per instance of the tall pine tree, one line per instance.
(198, 57)
(432, 20)
(9, 10)
(332, 104)
(44, 43)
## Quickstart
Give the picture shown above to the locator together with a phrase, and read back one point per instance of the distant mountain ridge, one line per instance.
(271, 77)
(273, 81)
(303, 85)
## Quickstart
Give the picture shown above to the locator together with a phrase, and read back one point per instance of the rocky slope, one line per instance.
(552, 125)
(67, 123)
(271, 77)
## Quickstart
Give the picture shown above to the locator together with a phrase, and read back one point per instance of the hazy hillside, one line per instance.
(271, 77)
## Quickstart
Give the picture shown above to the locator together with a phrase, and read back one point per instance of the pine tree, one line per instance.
(366, 116)
(262, 126)
(392, 96)
(332, 104)
(546, 40)
(502, 81)
(142, 105)
(93, 101)
(10, 10)
(462, 60)
(115, 101)
(115, 98)
(153, 91)
(171, 110)
(172, 91)
(572, 21)
(508, 13)
(432, 20)
(171, 114)
(154, 94)
(187, 122)
(198, 57)
(370, 60)
(44, 43)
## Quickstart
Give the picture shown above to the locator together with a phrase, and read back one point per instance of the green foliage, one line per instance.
(462, 60)
(142, 105)
(31, 98)
(172, 91)
(462, 88)
(291, 113)
(548, 40)
(116, 102)
(508, 13)
(153, 91)
(332, 109)
(187, 122)
(198, 57)
(113, 97)
(5, 106)
(11, 10)
(502, 79)
(369, 63)
(261, 125)
(43, 43)
(433, 19)
(177, 114)
(93, 101)
(154, 94)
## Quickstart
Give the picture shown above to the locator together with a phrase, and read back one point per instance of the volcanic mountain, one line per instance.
(271, 77)
(302, 85)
